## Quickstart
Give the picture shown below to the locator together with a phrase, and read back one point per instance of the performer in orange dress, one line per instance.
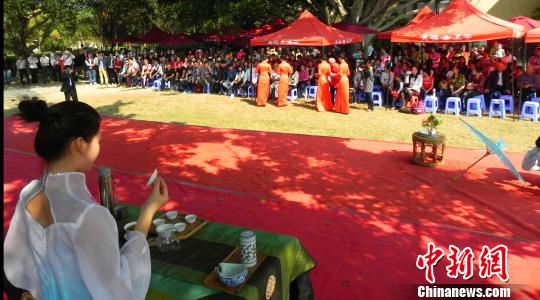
(263, 84)
(334, 79)
(324, 103)
(342, 93)
(284, 70)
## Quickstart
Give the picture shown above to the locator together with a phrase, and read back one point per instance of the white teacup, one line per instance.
(180, 227)
(191, 219)
(158, 222)
(171, 215)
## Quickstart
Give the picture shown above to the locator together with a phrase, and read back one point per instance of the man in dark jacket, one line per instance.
(68, 84)
(497, 81)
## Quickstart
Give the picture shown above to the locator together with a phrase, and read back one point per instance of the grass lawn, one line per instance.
(299, 117)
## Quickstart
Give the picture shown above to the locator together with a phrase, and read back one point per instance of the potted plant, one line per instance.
(430, 124)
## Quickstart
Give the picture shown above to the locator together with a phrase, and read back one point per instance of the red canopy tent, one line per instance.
(459, 22)
(354, 28)
(533, 36)
(423, 14)
(178, 40)
(154, 36)
(307, 30)
(527, 23)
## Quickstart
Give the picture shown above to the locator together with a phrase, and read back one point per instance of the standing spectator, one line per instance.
(387, 78)
(21, 68)
(369, 81)
(67, 58)
(103, 61)
(33, 66)
(110, 70)
(68, 84)
(91, 64)
(45, 63)
(118, 68)
(7, 71)
(55, 67)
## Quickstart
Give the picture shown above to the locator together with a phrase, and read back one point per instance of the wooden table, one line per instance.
(428, 150)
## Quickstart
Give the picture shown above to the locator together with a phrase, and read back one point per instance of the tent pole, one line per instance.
(513, 83)
(524, 54)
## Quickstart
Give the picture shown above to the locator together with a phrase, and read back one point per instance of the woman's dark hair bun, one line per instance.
(59, 125)
(33, 109)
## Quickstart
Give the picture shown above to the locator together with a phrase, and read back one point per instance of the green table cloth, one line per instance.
(180, 274)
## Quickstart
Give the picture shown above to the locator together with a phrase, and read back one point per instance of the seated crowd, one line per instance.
(407, 73)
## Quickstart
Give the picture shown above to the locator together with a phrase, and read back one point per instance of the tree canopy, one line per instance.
(29, 24)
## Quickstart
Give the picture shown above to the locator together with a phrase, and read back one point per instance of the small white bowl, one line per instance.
(158, 222)
(191, 219)
(180, 227)
(172, 215)
(130, 226)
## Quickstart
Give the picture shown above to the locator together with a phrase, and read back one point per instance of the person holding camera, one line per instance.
(68, 84)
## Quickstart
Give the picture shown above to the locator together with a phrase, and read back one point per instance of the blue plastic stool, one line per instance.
(453, 104)
(312, 91)
(531, 110)
(431, 104)
(293, 95)
(474, 106)
(377, 88)
(377, 98)
(508, 103)
(496, 108)
(251, 91)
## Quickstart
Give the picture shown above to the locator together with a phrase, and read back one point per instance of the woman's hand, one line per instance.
(159, 195)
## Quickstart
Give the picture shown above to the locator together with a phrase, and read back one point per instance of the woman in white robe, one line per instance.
(61, 244)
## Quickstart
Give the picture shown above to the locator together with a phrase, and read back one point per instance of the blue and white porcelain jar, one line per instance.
(248, 248)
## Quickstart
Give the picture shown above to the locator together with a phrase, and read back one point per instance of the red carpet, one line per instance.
(360, 207)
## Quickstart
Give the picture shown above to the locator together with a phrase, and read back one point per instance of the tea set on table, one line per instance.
(230, 274)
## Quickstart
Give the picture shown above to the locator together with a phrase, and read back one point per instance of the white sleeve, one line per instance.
(110, 272)
(19, 265)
